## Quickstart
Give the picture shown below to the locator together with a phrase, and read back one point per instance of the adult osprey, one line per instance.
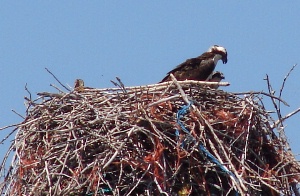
(201, 67)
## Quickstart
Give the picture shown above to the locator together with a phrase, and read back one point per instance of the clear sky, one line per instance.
(140, 41)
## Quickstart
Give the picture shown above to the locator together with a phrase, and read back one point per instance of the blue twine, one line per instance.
(183, 111)
(214, 160)
(101, 191)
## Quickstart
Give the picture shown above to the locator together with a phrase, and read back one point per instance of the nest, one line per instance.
(175, 138)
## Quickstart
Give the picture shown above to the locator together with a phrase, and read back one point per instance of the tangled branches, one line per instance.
(175, 138)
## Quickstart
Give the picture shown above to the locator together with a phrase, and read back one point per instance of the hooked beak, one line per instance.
(224, 59)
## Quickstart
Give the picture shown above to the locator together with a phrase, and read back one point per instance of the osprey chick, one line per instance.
(201, 67)
(216, 77)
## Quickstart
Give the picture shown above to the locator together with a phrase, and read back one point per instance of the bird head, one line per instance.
(217, 77)
(220, 52)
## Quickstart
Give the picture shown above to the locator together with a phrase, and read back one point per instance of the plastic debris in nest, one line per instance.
(175, 138)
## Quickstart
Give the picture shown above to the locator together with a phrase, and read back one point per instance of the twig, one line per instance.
(163, 100)
(285, 117)
(121, 84)
(28, 91)
(56, 88)
(138, 181)
(183, 95)
(119, 149)
(284, 81)
(46, 94)
(262, 93)
(162, 85)
(18, 114)
(9, 126)
(271, 91)
(116, 84)
(57, 79)
(281, 130)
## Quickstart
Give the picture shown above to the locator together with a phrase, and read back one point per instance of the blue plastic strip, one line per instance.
(183, 111)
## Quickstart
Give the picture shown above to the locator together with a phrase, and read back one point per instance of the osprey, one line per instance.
(216, 77)
(201, 67)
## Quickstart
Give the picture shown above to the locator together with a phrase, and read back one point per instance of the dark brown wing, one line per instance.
(193, 69)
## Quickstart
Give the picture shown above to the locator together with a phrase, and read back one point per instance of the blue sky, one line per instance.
(140, 42)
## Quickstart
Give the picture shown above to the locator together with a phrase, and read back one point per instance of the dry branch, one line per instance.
(174, 138)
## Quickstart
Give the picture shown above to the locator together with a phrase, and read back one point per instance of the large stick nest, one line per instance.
(179, 138)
